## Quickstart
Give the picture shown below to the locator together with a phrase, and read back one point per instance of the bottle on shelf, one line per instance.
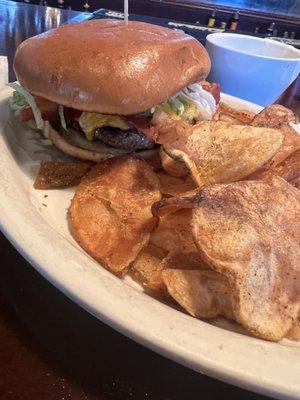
(270, 29)
(234, 22)
(223, 24)
(212, 19)
(285, 34)
(293, 35)
(256, 29)
(86, 6)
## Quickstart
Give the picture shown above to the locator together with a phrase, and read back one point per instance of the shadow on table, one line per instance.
(52, 349)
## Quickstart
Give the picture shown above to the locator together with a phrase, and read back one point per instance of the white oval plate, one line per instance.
(37, 226)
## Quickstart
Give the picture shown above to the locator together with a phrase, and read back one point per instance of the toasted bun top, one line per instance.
(109, 67)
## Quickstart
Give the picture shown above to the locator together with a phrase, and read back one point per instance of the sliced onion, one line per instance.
(204, 101)
(198, 89)
(31, 102)
(62, 117)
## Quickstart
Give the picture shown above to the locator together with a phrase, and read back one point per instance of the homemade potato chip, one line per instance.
(168, 206)
(55, 174)
(172, 133)
(218, 152)
(174, 233)
(289, 170)
(233, 115)
(203, 294)
(190, 260)
(110, 214)
(152, 157)
(172, 167)
(250, 232)
(171, 245)
(147, 267)
(291, 143)
(172, 185)
(274, 116)
(152, 261)
(294, 332)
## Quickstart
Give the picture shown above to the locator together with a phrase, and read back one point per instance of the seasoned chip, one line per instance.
(250, 233)
(233, 115)
(274, 116)
(172, 185)
(172, 167)
(147, 267)
(290, 144)
(168, 206)
(203, 294)
(174, 233)
(173, 133)
(218, 152)
(279, 117)
(171, 245)
(294, 332)
(289, 170)
(110, 214)
(189, 260)
(152, 261)
(152, 157)
(54, 174)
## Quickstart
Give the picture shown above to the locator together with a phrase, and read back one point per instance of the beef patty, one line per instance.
(130, 139)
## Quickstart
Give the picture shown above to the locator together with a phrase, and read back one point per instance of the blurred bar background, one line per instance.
(255, 16)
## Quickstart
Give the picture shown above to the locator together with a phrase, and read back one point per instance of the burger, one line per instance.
(103, 87)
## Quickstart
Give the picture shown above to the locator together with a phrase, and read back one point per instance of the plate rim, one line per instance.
(175, 350)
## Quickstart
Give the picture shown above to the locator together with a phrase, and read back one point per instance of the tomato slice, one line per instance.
(26, 114)
(49, 111)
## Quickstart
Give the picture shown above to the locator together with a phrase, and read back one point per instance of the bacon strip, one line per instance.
(143, 125)
(213, 89)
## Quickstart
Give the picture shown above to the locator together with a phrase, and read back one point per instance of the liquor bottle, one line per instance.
(234, 22)
(223, 24)
(285, 35)
(293, 35)
(270, 29)
(212, 19)
(256, 29)
(86, 6)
